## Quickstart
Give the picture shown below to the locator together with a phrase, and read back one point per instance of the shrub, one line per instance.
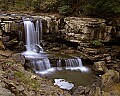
(36, 5)
(96, 43)
(49, 5)
(64, 10)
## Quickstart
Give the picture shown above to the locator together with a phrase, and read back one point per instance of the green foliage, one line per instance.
(101, 8)
(49, 5)
(36, 5)
(64, 10)
(98, 8)
(27, 80)
(96, 43)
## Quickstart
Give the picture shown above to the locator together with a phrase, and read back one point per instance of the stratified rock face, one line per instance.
(86, 28)
(72, 29)
(77, 29)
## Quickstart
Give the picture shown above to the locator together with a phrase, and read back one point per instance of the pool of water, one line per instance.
(77, 77)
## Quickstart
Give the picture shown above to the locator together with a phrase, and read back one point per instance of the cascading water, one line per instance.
(32, 33)
(41, 65)
(39, 61)
(41, 31)
(72, 64)
(33, 49)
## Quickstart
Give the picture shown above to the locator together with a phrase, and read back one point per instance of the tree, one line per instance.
(101, 8)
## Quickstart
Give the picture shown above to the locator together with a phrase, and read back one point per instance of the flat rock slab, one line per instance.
(6, 53)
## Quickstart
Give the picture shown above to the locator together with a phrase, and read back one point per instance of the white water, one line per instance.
(33, 35)
(59, 64)
(41, 31)
(72, 64)
(41, 65)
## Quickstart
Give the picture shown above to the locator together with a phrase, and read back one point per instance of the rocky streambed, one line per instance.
(16, 81)
(66, 36)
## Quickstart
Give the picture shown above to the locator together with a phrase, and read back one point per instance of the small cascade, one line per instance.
(74, 62)
(59, 64)
(41, 65)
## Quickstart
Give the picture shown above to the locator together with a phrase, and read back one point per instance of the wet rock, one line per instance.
(55, 49)
(69, 51)
(108, 59)
(87, 90)
(105, 93)
(5, 38)
(96, 91)
(19, 58)
(110, 77)
(99, 67)
(79, 91)
(2, 47)
(11, 42)
(90, 51)
(6, 53)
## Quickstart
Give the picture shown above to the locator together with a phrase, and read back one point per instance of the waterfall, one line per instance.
(34, 52)
(59, 63)
(41, 65)
(41, 31)
(74, 62)
(37, 33)
(32, 36)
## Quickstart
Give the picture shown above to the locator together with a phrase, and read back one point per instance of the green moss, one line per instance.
(27, 81)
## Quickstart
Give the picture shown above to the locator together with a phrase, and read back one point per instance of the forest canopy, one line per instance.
(99, 8)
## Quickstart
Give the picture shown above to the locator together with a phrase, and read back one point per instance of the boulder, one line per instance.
(6, 53)
(5, 38)
(80, 90)
(11, 42)
(110, 77)
(99, 67)
(108, 59)
(2, 47)
(95, 91)
(19, 58)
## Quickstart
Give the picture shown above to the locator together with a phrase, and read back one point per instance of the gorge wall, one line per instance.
(69, 31)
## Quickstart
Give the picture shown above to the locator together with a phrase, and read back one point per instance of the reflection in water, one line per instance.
(76, 77)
